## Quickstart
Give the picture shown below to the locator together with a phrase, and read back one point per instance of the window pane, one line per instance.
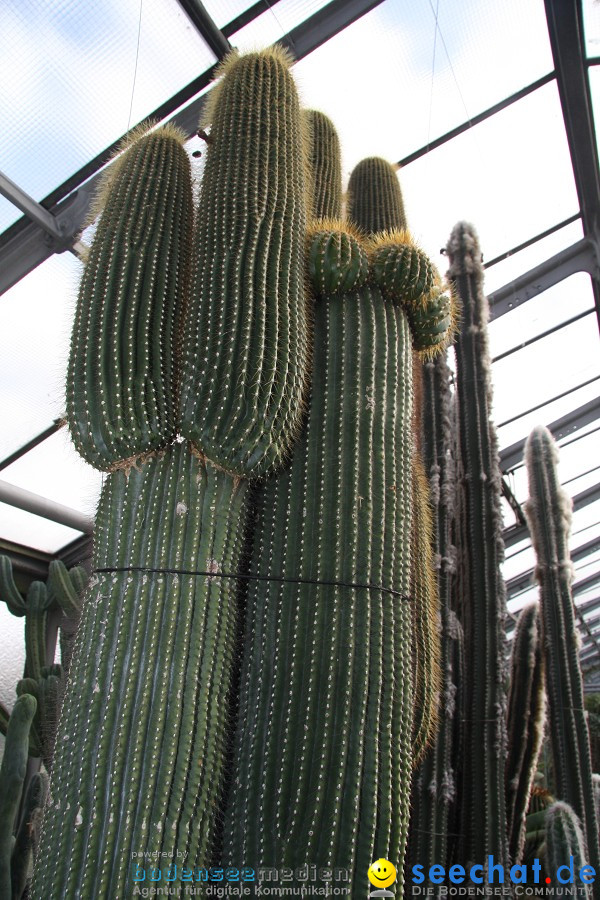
(503, 272)
(86, 73)
(35, 330)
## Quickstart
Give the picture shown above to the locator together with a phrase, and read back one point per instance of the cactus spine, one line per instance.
(525, 722)
(483, 609)
(549, 515)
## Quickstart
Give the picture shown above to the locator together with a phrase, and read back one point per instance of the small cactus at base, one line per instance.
(566, 851)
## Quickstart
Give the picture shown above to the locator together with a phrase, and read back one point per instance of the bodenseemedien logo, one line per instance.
(381, 874)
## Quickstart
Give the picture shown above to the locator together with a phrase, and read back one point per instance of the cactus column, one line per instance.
(141, 746)
(483, 601)
(548, 513)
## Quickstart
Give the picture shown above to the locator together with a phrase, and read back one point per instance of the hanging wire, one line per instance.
(137, 56)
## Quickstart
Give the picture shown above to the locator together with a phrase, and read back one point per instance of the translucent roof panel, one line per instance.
(76, 76)
(274, 23)
(222, 12)
(566, 299)
(421, 79)
(545, 368)
(511, 176)
(591, 27)
(12, 654)
(55, 470)
(506, 270)
(34, 531)
(35, 330)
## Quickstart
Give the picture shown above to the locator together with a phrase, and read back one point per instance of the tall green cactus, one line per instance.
(246, 354)
(548, 512)
(376, 206)
(141, 752)
(483, 606)
(525, 722)
(435, 788)
(323, 748)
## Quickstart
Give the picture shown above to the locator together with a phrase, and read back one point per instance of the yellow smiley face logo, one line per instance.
(382, 873)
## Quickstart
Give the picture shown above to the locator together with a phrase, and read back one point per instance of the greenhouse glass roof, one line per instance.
(487, 107)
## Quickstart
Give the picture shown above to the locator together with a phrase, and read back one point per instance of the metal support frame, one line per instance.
(565, 30)
(25, 245)
(203, 23)
(41, 506)
(583, 256)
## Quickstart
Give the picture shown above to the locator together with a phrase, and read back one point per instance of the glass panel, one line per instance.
(547, 413)
(423, 82)
(35, 330)
(591, 26)
(22, 527)
(505, 271)
(273, 24)
(86, 73)
(55, 470)
(12, 655)
(549, 367)
(556, 305)
(222, 12)
(511, 176)
(8, 214)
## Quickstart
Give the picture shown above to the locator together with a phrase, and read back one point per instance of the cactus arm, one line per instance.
(325, 165)
(8, 589)
(12, 777)
(35, 629)
(525, 723)
(246, 340)
(548, 513)
(64, 588)
(27, 834)
(565, 839)
(426, 615)
(121, 390)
